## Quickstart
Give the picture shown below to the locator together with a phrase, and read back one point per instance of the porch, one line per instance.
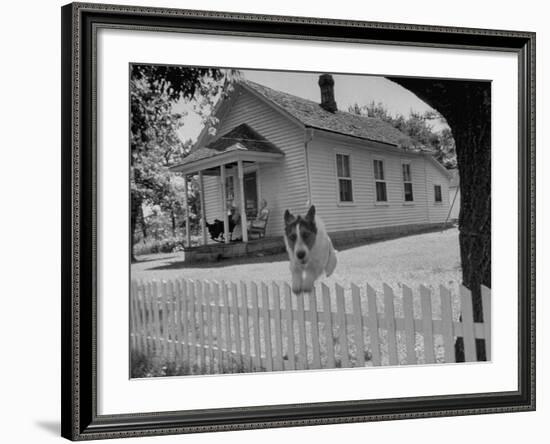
(219, 251)
(233, 157)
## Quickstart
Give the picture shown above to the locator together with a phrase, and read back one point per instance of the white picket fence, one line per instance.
(224, 327)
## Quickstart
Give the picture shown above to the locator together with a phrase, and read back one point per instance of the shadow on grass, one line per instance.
(153, 259)
(222, 262)
(277, 257)
(344, 245)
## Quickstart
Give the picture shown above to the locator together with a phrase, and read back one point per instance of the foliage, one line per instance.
(154, 140)
(419, 128)
(144, 366)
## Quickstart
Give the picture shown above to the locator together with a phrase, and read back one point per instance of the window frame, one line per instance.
(438, 202)
(348, 178)
(410, 181)
(384, 181)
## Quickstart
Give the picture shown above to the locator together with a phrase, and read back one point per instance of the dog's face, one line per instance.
(300, 233)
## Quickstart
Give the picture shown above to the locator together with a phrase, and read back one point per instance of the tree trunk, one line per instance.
(466, 105)
(173, 218)
(142, 222)
(472, 134)
(135, 208)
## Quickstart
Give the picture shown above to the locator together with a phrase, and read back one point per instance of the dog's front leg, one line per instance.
(296, 280)
(308, 280)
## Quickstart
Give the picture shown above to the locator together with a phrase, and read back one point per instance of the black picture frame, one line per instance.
(79, 390)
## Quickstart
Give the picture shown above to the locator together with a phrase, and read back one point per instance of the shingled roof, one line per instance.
(241, 137)
(312, 115)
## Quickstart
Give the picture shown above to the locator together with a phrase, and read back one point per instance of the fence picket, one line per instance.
(209, 324)
(300, 317)
(315, 345)
(143, 312)
(389, 312)
(246, 329)
(327, 319)
(289, 321)
(486, 301)
(410, 333)
(342, 327)
(137, 327)
(427, 325)
(278, 363)
(373, 326)
(181, 337)
(156, 316)
(218, 321)
(256, 327)
(192, 326)
(468, 324)
(163, 301)
(236, 322)
(267, 328)
(358, 325)
(170, 340)
(133, 318)
(147, 318)
(172, 319)
(447, 320)
(202, 340)
(227, 324)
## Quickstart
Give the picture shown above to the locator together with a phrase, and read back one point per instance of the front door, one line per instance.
(251, 195)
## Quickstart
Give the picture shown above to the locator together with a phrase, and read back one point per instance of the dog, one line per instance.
(216, 229)
(309, 248)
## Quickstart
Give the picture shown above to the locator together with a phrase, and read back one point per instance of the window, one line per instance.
(407, 182)
(381, 194)
(437, 193)
(343, 172)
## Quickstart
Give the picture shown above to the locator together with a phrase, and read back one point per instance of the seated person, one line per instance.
(261, 217)
(235, 221)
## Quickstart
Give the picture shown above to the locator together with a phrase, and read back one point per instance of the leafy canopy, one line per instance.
(418, 127)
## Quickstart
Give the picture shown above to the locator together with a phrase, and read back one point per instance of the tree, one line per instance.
(154, 142)
(417, 126)
(466, 106)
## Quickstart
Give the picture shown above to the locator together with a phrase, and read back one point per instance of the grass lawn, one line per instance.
(431, 259)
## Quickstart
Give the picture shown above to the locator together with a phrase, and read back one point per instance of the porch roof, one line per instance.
(241, 143)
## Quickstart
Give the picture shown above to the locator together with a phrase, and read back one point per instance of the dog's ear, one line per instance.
(310, 216)
(289, 218)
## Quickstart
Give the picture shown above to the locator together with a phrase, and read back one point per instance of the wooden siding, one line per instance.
(438, 211)
(455, 210)
(364, 211)
(282, 184)
(212, 198)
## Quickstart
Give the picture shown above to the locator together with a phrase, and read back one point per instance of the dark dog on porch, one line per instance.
(216, 230)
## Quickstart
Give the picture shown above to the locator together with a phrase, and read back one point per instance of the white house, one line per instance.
(292, 152)
(454, 195)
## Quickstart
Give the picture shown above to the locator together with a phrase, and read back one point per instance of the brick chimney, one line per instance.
(326, 83)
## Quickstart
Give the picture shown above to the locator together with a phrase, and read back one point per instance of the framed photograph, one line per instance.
(281, 221)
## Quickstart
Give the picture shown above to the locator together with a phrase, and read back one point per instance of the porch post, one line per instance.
(203, 209)
(243, 201)
(186, 203)
(224, 206)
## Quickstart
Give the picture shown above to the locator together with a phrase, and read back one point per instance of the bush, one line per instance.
(143, 366)
(152, 246)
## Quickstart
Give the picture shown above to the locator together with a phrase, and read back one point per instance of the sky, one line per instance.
(348, 90)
